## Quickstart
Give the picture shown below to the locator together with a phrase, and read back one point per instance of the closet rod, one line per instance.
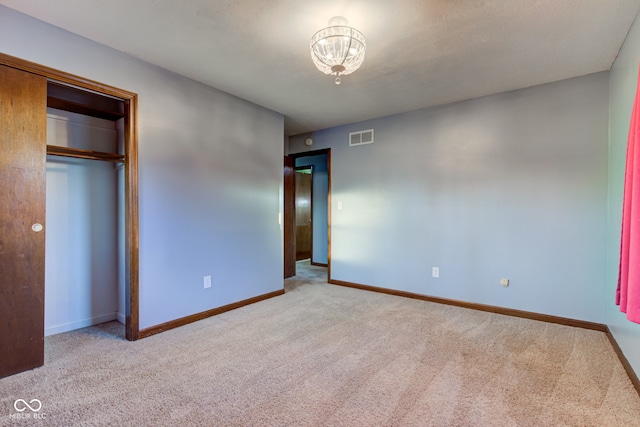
(55, 150)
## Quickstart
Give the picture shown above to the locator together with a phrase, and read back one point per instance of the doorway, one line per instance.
(319, 163)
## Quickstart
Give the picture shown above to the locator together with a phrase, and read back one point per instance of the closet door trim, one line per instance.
(131, 171)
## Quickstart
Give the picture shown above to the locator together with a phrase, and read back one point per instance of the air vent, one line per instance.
(360, 138)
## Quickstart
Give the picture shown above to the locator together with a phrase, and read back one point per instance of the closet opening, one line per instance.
(87, 264)
(84, 240)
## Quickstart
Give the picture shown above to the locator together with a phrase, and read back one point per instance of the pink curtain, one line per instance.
(628, 292)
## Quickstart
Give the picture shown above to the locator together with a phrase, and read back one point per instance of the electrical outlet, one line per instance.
(435, 272)
(207, 282)
(504, 282)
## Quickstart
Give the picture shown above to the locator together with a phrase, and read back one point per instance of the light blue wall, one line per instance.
(210, 170)
(622, 87)
(512, 185)
(320, 193)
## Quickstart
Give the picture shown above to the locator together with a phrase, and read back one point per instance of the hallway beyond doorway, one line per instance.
(306, 274)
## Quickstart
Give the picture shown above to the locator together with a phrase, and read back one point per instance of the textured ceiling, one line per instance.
(420, 53)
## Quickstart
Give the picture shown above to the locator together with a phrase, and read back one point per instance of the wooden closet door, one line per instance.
(304, 235)
(23, 121)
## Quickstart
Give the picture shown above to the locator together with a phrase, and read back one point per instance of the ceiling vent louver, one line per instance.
(361, 138)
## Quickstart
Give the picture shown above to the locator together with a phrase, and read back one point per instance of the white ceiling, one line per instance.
(420, 53)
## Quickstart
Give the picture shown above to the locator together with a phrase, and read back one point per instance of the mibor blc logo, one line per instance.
(28, 410)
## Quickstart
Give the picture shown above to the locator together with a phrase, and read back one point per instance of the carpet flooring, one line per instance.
(324, 355)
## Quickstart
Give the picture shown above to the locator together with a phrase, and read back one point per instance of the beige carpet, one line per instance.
(324, 355)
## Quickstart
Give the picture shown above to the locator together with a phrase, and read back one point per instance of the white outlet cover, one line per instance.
(207, 282)
(504, 282)
(435, 271)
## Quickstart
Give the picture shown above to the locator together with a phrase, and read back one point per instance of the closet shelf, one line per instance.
(78, 153)
(80, 101)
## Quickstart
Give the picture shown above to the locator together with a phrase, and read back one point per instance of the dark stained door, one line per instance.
(303, 214)
(23, 108)
(289, 223)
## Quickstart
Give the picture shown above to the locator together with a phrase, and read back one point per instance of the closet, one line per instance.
(83, 239)
(75, 134)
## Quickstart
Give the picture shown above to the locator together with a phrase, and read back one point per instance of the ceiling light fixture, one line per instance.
(338, 50)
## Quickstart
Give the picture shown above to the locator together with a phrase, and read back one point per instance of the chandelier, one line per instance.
(338, 50)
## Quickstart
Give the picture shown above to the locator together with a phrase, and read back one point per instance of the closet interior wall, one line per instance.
(85, 253)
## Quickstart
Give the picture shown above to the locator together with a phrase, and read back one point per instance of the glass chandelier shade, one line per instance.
(338, 50)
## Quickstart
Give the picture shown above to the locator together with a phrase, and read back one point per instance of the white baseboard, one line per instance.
(121, 318)
(66, 327)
